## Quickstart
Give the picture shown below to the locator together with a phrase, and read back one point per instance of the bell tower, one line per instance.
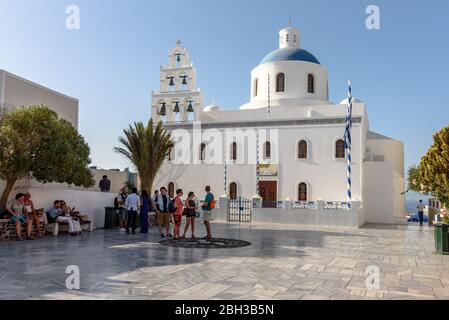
(289, 37)
(178, 99)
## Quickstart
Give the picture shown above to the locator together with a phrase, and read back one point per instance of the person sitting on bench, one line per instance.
(57, 215)
(17, 209)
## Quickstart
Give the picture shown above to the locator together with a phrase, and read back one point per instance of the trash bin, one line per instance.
(441, 239)
(111, 219)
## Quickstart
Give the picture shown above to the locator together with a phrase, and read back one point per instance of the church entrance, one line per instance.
(268, 192)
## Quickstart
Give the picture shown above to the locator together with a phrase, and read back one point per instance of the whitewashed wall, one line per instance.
(17, 91)
(379, 192)
(352, 218)
(87, 202)
(325, 175)
(393, 152)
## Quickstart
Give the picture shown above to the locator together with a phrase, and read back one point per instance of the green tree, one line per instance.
(35, 143)
(414, 179)
(434, 168)
(146, 147)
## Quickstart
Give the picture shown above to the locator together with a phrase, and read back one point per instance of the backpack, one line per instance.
(116, 205)
(212, 203)
(171, 207)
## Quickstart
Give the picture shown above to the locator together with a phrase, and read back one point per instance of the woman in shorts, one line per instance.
(191, 212)
(17, 209)
(178, 214)
(32, 214)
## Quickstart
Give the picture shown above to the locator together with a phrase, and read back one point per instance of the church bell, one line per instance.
(176, 108)
(190, 107)
(163, 111)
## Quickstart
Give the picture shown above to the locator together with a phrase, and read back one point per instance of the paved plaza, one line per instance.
(283, 262)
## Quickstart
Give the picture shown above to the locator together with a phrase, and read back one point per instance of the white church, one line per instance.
(302, 160)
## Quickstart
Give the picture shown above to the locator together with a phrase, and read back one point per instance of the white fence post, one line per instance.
(222, 213)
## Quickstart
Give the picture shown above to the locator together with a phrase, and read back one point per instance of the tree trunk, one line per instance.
(148, 185)
(4, 199)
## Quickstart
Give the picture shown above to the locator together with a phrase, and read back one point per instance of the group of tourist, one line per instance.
(22, 211)
(168, 211)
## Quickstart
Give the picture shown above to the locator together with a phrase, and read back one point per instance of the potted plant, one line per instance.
(441, 236)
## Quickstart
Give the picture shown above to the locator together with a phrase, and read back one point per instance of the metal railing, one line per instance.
(305, 205)
(336, 205)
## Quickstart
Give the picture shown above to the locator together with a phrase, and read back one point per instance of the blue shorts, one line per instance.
(123, 214)
(20, 218)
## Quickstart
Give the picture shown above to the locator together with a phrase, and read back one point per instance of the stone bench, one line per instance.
(8, 229)
(55, 228)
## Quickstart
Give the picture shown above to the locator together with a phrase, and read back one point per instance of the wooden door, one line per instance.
(268, 192)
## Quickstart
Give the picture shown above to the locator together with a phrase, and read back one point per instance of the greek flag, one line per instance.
(348, 143)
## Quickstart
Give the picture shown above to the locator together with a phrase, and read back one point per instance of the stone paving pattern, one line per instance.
(283, 262)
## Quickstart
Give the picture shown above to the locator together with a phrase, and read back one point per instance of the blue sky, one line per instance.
(112, 63)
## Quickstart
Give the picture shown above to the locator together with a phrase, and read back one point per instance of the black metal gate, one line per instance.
(240, 210)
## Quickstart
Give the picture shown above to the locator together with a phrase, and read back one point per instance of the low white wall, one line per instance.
(352, 218)
(315, 217)
(90, 203)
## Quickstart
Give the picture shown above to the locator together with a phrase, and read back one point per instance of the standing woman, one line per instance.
(191, 210)
(178, 214)
(144, 209)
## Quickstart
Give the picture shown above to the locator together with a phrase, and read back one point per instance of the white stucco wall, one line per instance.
(393, 152)
(17, 92)
(87, 202)
(325, 175)
(379, 192)
(296, 79)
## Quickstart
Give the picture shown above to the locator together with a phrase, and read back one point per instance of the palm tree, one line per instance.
(146, 147)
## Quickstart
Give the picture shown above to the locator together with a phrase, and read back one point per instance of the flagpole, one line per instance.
(225, 165)
(257, 165)
(269, 97)
(348, 144)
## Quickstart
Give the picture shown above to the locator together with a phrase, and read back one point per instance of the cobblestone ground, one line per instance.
(283, 262)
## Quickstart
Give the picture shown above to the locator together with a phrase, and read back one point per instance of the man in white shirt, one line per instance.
(421, 212)
(132, 204)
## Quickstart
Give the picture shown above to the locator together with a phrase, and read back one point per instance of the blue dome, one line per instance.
(290, 54)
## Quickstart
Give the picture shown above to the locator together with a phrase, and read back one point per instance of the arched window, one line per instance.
(267, 150)
(171, 190)
(256, 87)
(280, 82)
(340, 149)
(203, 152)
(302, 192)
(233, 191)
(234, 151)
(311, 83)
(302, 150)
(170, 154)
